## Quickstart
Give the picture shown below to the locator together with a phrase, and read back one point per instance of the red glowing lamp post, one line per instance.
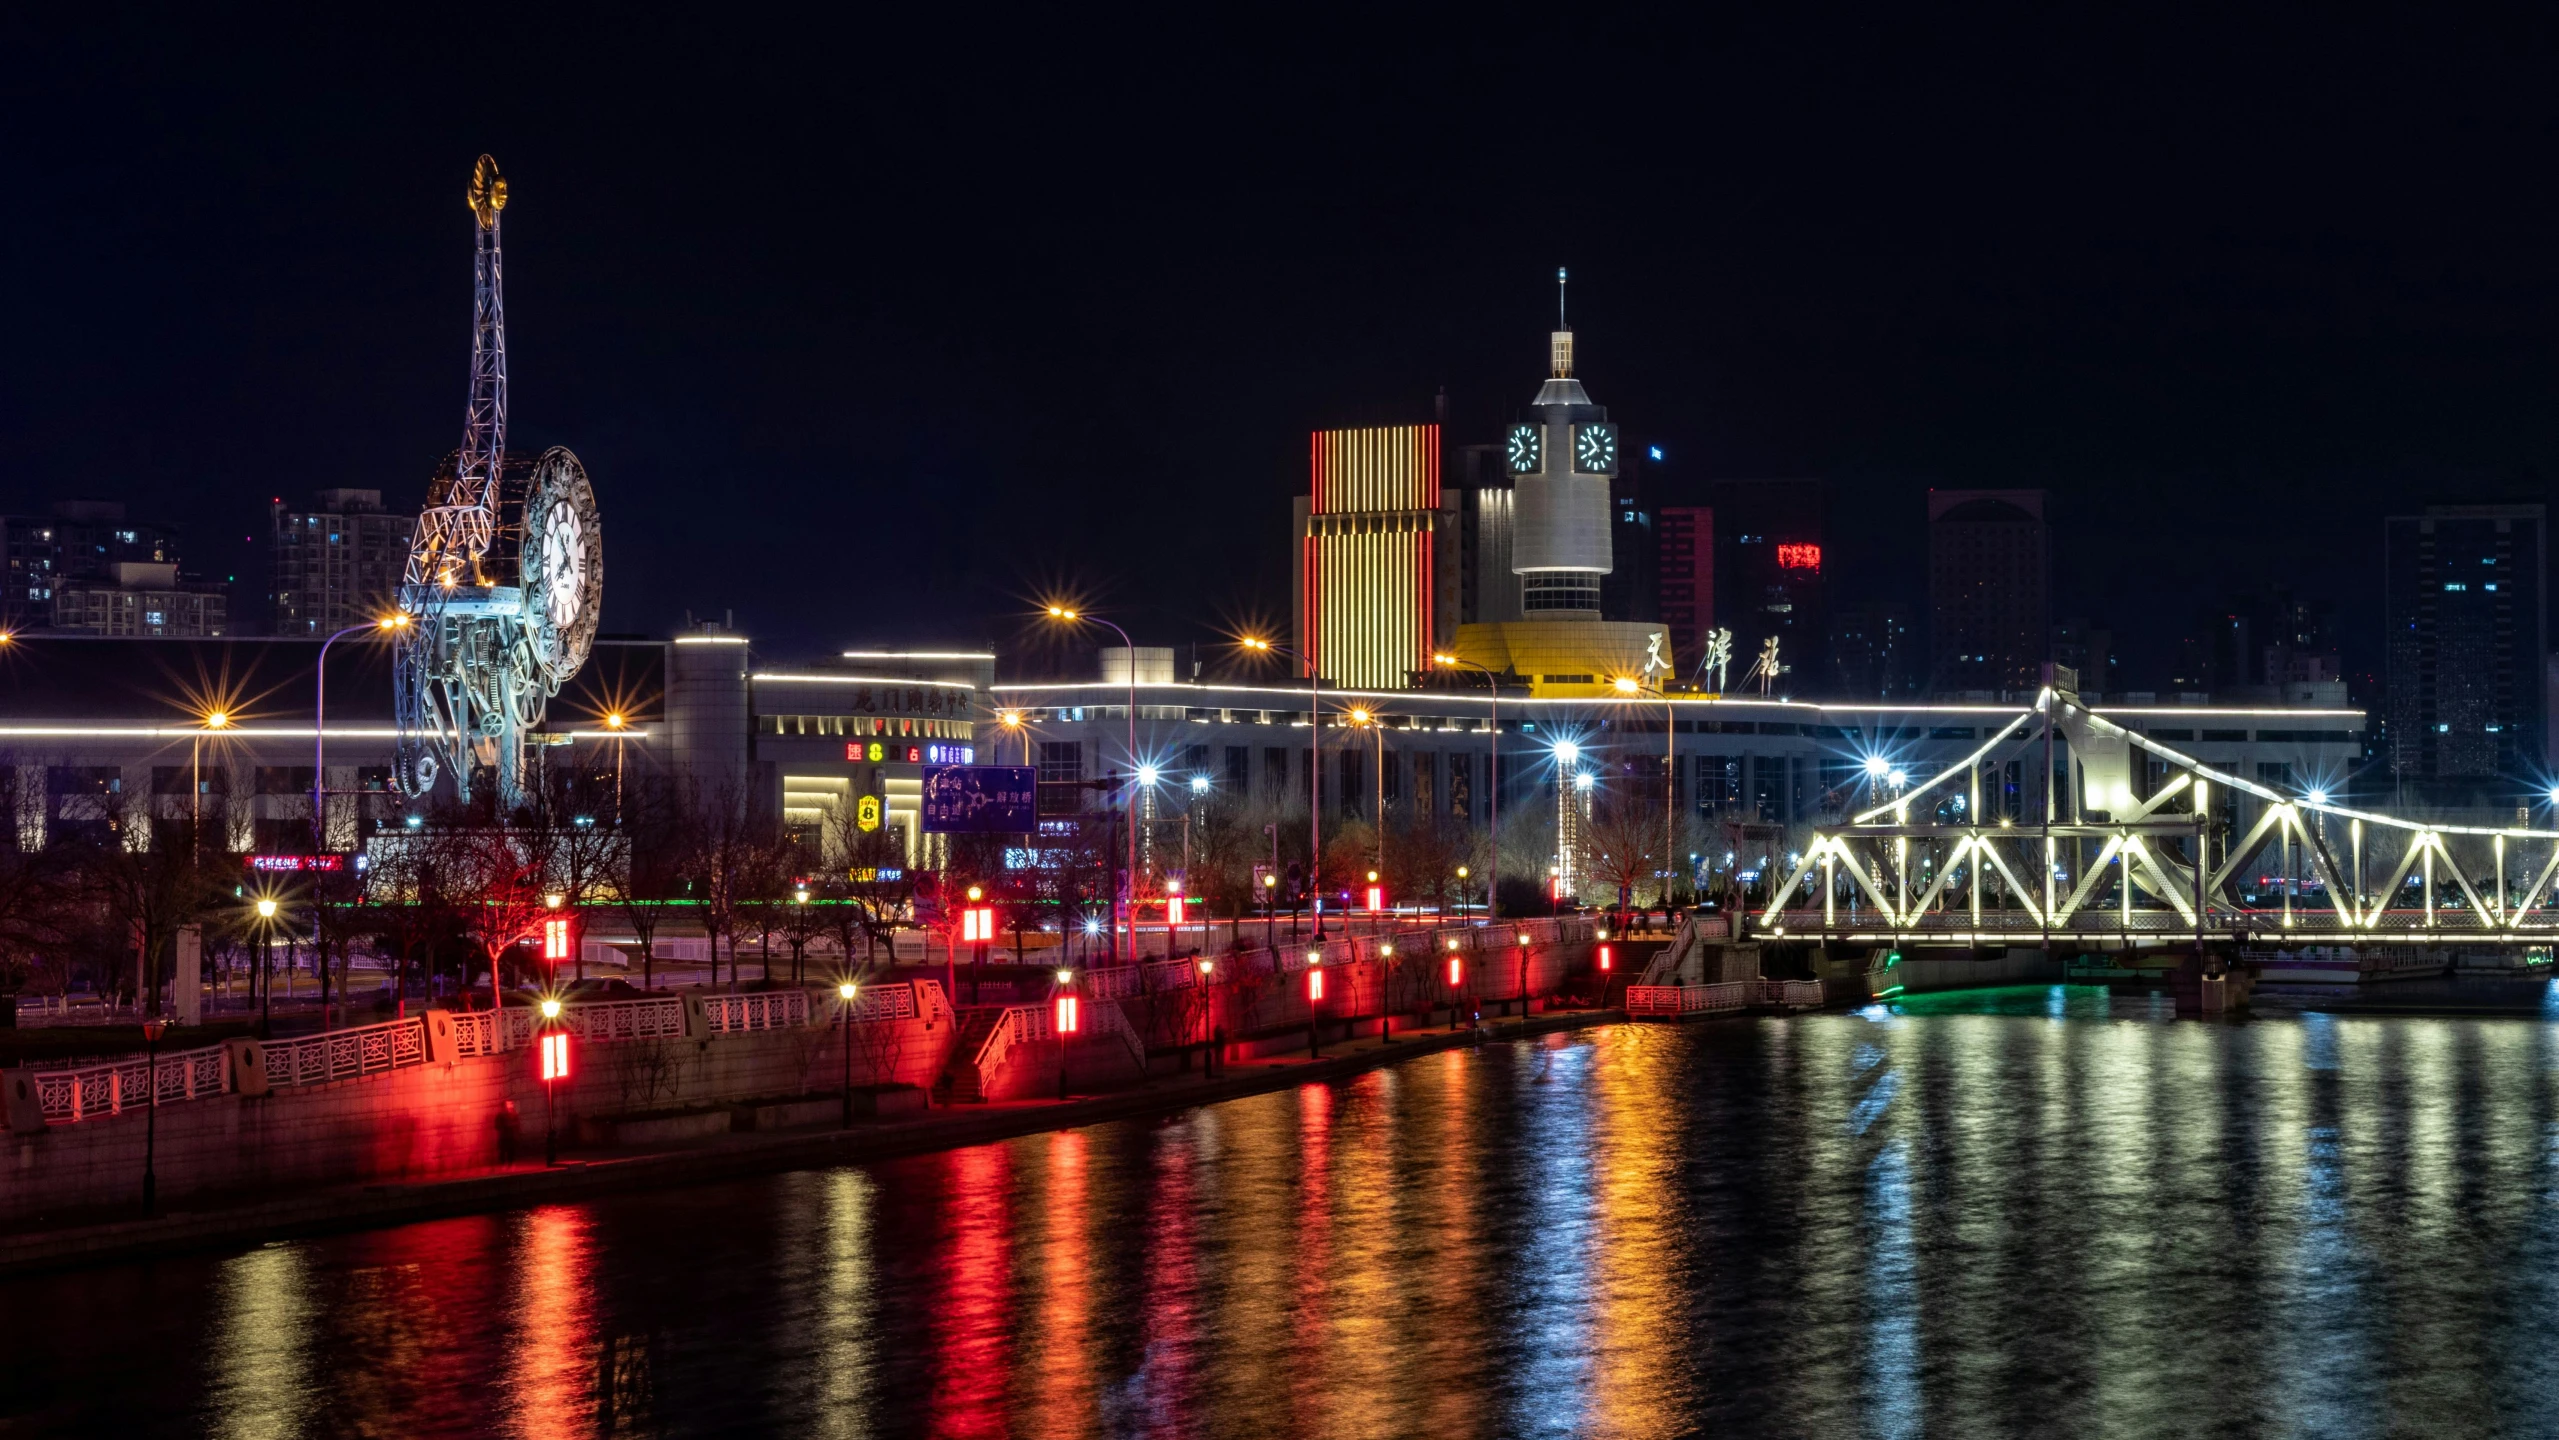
(555, 1068)
(977, 931)
(1456, 982)
(1070, 1018)
(1314, 1003)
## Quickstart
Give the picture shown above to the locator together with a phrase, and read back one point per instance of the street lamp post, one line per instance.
(151, 1031)
(320, 725)
(1314, 775)
(266, 967)
(845, 993)
(1493, 786)
(1629, 685)
(1071, 617)
(1068, 1020)
(213, 720)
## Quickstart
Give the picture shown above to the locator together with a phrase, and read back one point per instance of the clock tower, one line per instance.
(1561, 461)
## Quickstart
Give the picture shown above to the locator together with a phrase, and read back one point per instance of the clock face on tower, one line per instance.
(1595, 449)
(1526, 447)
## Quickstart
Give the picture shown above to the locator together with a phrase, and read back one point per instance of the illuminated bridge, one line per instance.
(2134, 843)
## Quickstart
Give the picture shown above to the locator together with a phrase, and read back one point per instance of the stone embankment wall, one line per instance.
(431, 1120)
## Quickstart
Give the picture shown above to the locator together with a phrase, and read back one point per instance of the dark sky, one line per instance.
(874, 329)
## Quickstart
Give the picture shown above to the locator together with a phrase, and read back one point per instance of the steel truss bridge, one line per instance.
(2106, 863)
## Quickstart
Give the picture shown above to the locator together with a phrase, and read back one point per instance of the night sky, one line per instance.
(875, 334)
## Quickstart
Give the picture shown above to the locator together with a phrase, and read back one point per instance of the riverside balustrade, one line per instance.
(1722, 997)
(106, 1089)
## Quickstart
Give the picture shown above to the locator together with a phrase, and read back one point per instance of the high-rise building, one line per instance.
(1871, 652)
(79, 542)
(338, 563)
(1989, 565)
(2467, 607)
(142, 598)
(1371, 595)
(1688, 580)
(1488, 591)
(1632, 589)
(1768, 573)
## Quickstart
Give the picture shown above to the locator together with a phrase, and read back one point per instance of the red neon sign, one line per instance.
(288, 863)
(1799, 557)
(555, 1055)
(1068, 1018)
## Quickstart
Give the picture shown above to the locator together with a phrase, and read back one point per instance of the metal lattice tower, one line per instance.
(506, 574)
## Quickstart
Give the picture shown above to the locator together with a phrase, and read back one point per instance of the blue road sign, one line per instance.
(980, 799)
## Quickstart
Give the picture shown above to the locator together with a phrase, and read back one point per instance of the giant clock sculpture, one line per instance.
(505, 577)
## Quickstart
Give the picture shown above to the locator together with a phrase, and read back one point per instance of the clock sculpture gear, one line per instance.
(505, 579)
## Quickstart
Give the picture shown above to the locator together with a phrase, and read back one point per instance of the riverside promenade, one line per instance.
(108, 1233)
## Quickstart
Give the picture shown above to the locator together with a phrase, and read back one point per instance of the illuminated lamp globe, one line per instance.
(550, 1009)
(1877, 766)
(846, 990)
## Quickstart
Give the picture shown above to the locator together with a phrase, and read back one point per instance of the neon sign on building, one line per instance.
(1799, 557)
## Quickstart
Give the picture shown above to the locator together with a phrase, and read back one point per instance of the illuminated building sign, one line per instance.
(889, 752)
(979, 799)
(1799, 557)
(866, 813)
(289, 863)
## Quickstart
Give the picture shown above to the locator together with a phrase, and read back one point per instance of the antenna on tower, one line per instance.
(1559, 299)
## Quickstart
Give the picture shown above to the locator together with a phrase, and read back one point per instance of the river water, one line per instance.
(2037, 1211)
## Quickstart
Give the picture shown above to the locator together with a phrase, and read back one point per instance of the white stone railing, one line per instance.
(647, 1018)
(345, 1054)
(69, 1095)
(760, 1010)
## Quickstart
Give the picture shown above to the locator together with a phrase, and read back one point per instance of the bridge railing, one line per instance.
(761, 1010)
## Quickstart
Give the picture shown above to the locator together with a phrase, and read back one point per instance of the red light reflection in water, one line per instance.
(551, 1354)
(1310, 1391)
(1166, 1387)
(973, 1316)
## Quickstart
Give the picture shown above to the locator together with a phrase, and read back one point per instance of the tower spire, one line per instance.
(1560, 344)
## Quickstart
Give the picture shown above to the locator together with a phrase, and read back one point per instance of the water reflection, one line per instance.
(2046, 1211)
(260, 1365)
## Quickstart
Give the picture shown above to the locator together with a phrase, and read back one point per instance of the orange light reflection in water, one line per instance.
(551, 1357)
(1061, 1282)
(1639, 1328)
(1369, 1269)
(1453, 1306)
(972, 1340)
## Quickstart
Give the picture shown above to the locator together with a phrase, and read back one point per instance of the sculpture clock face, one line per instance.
(564, 566)
(1525, 448)
(1595, 449)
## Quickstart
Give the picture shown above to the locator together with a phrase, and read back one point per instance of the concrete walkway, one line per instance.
(211, 1225)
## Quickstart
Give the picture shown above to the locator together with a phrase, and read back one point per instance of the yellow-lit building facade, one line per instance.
(1370, 580)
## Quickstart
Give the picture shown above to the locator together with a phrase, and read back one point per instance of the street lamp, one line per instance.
(845, 993)
(1629, 685)
(151, 1032)
(266, 967)
(1462, 873)
(1362, 715)
(1071, 617)
(1385, 989)
(1493, 796)
(320, 724)
(1314, 772)
(1314, 999)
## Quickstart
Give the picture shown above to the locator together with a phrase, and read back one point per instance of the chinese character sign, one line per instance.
(979, 799)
